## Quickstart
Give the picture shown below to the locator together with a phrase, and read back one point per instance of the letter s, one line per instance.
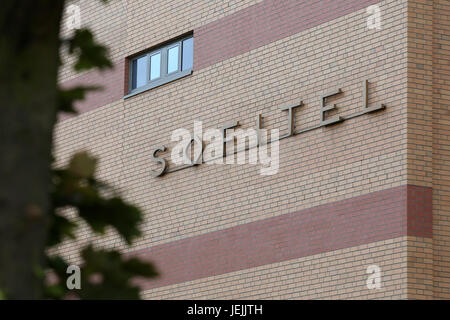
(155, 158)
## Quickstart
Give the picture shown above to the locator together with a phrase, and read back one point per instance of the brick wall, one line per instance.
(339, 274)
(369, 218)
(271, 61)
(441, 148)
(128, 27)
(263, 23)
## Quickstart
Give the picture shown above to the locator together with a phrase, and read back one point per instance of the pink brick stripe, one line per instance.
(111, 81)
(263, 23)
(245, 30)
(382, 215)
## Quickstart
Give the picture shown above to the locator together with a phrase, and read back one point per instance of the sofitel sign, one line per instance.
(221, 138)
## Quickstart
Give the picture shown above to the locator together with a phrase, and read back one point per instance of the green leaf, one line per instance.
(90, 54)
(57, 264)
(125, 218)
(60, 229)
(55, 291)
(115, 274)
(98, 204)
(58, 267)
(67, 97)
(82, 165)
(143, 269)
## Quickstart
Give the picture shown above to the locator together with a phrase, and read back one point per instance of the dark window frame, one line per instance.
(164, 76)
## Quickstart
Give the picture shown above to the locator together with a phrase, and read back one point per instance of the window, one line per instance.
(173, 63)
(161, 65)
(155, 66)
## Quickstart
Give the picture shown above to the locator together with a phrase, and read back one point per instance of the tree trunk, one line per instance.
(29, 58)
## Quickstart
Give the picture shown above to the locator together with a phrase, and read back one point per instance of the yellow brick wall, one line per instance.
(362, 155)
(420, 129)
(441, 149)
(340, 274)
(129, 26)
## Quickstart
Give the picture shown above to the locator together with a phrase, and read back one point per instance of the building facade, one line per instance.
(358, 203)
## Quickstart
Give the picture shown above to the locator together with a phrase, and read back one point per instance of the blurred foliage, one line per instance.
(67, 97)
(105, 274)
(100, 206)
(89, 53)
